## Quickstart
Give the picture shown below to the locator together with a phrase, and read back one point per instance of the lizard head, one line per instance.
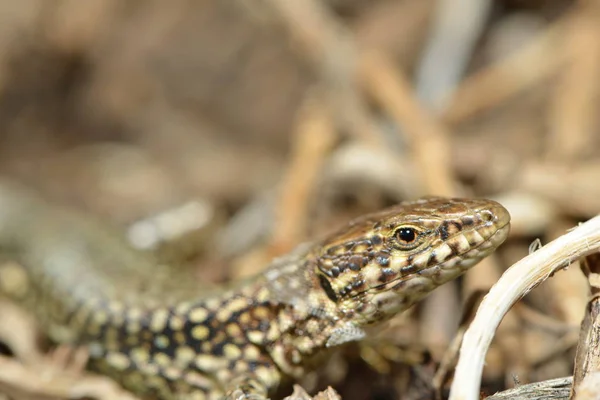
(383, 263)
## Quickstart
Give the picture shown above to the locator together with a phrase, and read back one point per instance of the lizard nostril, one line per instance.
(487, 216)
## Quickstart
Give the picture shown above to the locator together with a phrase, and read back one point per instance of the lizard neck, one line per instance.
(307, 321)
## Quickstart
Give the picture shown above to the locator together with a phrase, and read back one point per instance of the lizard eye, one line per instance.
(406, 237)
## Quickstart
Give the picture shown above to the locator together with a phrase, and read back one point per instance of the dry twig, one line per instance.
(515, 283)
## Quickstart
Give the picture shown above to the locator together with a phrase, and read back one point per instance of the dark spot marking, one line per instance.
(383, 260)
(217, 348)
(327, 288)
(214, 323)
(399, 285)
(376, 240)
(454, 247)
(358, 284)
(318, 311)
(364, 243)
(432, 259)
(386, 274)
(252, 365)
(468, 220)
(449, 228)
(444, 231)
(457, 225)
(349, 246)
(351, 313)
(335, 271)
(263, 325)
(333, 250)
(409, 269)
(355, 263)
(172, 344)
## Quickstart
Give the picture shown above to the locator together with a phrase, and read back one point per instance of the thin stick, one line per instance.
(498, 82)
(428, 139)
(314, 138)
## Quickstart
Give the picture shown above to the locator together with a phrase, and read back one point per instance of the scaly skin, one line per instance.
(162, 337)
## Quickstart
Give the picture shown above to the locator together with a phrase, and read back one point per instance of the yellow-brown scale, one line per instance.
(163, 337)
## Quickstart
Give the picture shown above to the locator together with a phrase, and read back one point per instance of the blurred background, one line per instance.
(221, 133)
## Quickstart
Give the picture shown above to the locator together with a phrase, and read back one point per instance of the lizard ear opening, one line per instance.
(326, 285)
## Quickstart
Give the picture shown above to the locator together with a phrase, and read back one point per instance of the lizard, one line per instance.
(162, 336)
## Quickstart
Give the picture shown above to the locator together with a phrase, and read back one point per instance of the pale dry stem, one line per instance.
(515, 283)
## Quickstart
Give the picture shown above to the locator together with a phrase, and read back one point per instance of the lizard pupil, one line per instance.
(406, 235)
